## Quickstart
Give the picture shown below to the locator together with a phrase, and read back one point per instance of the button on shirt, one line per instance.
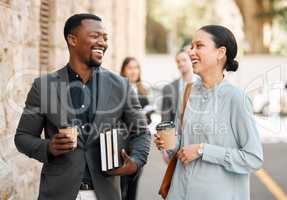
(84, 103)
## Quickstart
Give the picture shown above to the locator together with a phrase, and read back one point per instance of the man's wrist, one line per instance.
(50, 155)
(133, 160)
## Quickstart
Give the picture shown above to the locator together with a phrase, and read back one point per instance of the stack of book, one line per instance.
(111, 145)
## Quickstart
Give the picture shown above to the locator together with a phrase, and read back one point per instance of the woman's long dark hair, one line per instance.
(141, 89)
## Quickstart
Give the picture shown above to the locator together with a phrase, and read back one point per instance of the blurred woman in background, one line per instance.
(131, 70)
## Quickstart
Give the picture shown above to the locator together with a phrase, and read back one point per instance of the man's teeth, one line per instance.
(98, 51)
(194, 61)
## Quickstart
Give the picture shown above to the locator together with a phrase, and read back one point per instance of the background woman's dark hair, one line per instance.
(141, 89)
(223, 37)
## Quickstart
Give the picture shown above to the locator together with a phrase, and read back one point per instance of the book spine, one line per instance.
(103, 152)
(109, 150)
(115, 148)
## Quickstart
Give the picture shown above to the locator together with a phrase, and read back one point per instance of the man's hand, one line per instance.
(60, 144)
(188, 153)
(129, 166)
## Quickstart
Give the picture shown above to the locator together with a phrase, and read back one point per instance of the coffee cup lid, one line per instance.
(165, 125)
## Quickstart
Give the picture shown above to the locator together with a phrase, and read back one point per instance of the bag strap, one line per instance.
(165, 185)
(186, 94)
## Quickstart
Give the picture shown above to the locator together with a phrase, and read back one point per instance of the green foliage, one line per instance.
(174, 21)
(281, 15)
(177, 17)
(278, 14)
(156, 37)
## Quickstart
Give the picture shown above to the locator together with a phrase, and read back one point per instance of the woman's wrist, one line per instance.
(200, 149)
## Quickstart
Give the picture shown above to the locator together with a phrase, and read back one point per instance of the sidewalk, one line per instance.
(152, 176)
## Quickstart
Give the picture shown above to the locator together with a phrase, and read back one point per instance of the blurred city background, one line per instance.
(32, 43)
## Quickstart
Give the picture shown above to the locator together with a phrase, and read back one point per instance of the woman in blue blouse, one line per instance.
(219, 146)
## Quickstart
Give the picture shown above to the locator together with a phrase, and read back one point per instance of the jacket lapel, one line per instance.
(67, 114)
(176, 95)
(102, 95)
(63, 97)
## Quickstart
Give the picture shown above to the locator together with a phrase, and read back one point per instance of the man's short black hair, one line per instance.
(75, 21)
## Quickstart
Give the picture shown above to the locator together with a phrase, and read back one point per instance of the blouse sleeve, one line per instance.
(248, 157)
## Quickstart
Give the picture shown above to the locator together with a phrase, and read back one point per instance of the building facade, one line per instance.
(32, 43)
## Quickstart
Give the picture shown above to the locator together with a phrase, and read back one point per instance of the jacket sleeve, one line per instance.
(248, 157)
(140, 137)
(28, 134)
(166, 107)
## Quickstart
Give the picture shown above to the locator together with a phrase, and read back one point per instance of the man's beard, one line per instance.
(92, 63)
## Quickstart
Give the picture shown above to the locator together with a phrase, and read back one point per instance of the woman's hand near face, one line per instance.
(188, 153)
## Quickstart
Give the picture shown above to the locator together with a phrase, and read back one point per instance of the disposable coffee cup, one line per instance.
(166, 131)
(72, 132)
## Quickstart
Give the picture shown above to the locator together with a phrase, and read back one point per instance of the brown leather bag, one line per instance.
(165, 185)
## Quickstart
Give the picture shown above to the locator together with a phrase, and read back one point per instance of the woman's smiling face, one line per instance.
(203, 53)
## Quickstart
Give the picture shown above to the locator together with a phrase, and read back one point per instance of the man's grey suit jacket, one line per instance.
(170, 101)
(47, 108)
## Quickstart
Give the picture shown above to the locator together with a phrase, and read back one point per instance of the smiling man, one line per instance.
(85, 99)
